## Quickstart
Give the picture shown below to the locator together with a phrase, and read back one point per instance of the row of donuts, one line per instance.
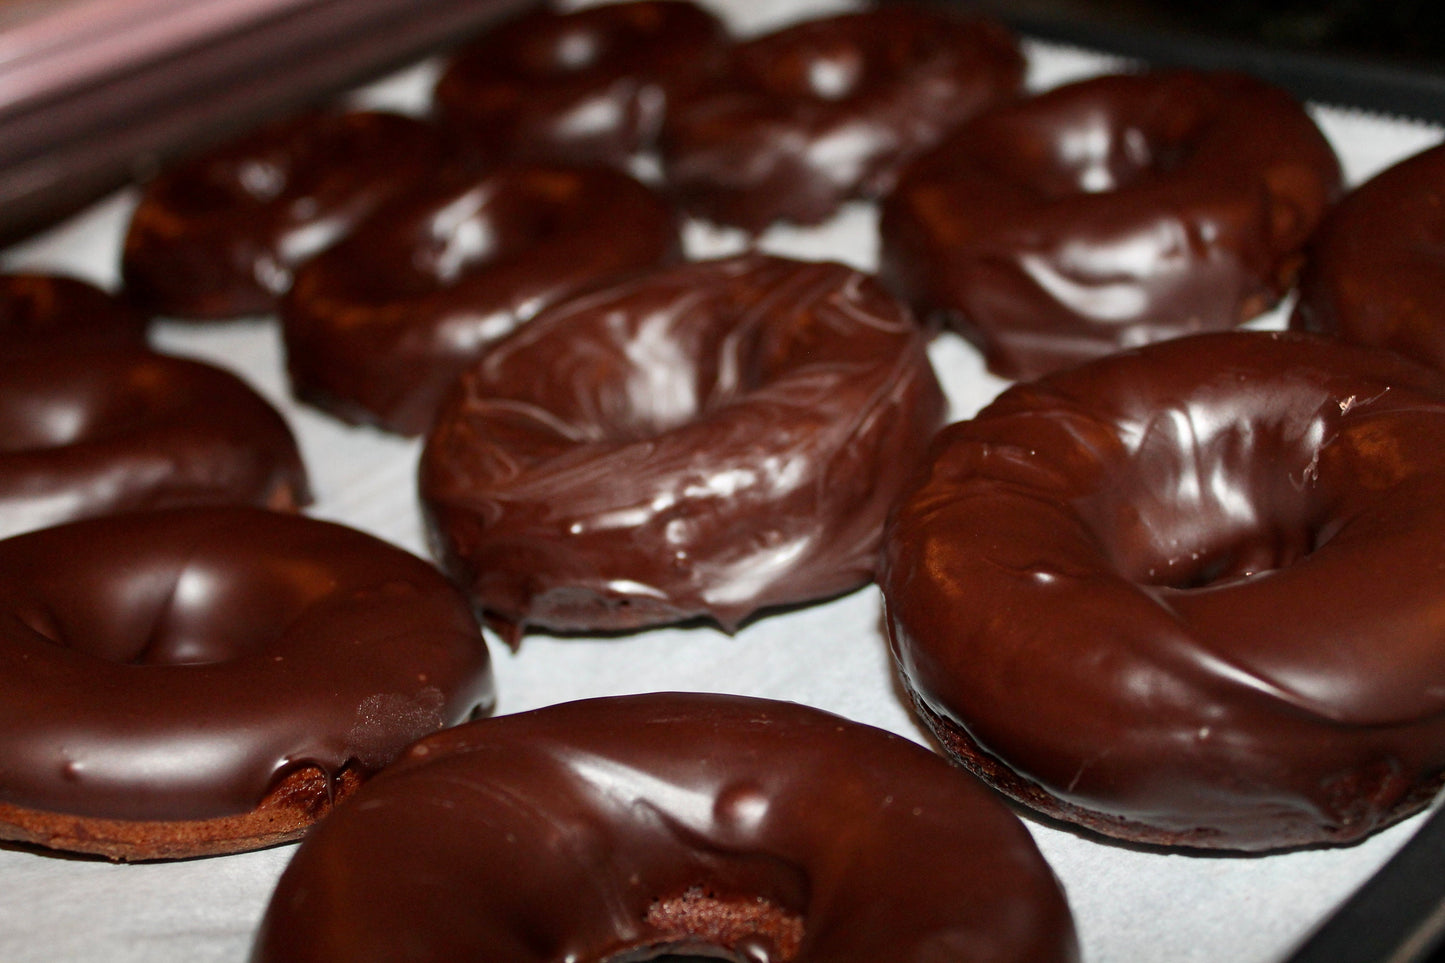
(1047, 229)
(1382, 782)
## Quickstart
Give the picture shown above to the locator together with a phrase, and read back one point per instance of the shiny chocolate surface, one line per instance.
(1107, 214)
(379, 326)
(1191, 593)
(566, 833)
(49, 312)
(578, 86)
(1376, 267)
(707, 440)
(825, 111)
(220, 234)
(177, 664)
(95, 432)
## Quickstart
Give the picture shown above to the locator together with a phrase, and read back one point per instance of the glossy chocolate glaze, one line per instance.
(175, 665)
(558, 834)
(220, 234)
(48, 312)
(827, 110)
(1376, 267)
(1190, 594)
(579, 86)
(103, 431)
(1107, 214)
(708, 440)
(379, 326)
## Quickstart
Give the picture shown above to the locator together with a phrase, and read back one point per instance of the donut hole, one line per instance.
(821, 67)
(572, 50)
(1196, 510)
(461, 233)
(165, 611)
(699, 925)
(1071, 143)
(1087, 154)
(658, 375)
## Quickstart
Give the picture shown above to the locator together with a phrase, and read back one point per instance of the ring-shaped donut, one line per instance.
(1376, 267)
(1109, 213)
(54, 312)
(827, 110)
(706, 441)
(195, 681)
(629, 827)
(377, 327)
(103, 431)
(1189, 595)
(578, 86)
(219, 235)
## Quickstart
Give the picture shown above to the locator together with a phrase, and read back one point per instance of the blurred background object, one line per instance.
(1382, 55)
(93, 92)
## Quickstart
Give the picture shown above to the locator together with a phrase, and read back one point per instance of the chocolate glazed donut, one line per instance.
(828, 110)
(705, 441)
(1107, 214)
(218, 235)
(1189, 595)
(631, 827)
(581, 86)
(101, 431)
(377, 327)
(198, 681)
(1376, 267)
(49, 312)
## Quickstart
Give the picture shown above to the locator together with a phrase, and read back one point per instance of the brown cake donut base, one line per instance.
(298, 800)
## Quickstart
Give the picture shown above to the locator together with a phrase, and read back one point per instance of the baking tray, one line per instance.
(1131, 905)
(1386, 56)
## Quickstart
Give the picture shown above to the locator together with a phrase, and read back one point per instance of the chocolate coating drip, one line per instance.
(105, 431)
(377, 327)
(220, 234)
(1107, 214)
(45, 312)
(827, 110)
(573, 832)
(177, 665)
(1189, 594)
(581, 86)
(707, 441)
(1376, 267)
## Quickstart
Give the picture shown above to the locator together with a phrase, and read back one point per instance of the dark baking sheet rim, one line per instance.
(1405, 90)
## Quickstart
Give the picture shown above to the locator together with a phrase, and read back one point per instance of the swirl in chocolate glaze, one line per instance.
(1189, 595)
(377, 327)
(102, 431)
(48, 312)
(828, 110)
(624, 828)
(1109, 213)
(1376, 267)
(177, 666)
(579, 86)
(219, 235)
(703, 441)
